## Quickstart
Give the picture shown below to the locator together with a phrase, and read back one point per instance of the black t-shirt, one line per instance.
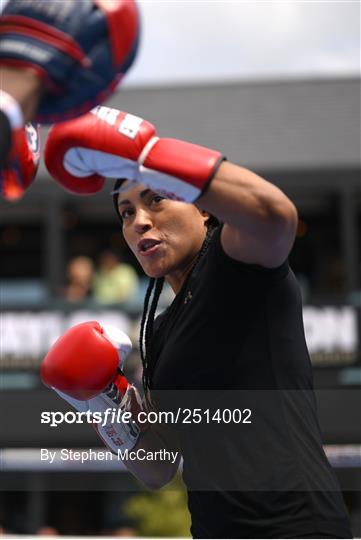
(234, 340)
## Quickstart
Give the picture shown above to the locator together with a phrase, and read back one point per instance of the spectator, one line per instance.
(127, 532)
(124, 531)
(80, 274)
(115, 281)
(47, 530)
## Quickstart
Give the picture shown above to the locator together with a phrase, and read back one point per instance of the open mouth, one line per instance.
(148, 246)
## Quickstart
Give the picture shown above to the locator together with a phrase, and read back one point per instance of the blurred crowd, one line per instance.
(121, 531)
(108, 280)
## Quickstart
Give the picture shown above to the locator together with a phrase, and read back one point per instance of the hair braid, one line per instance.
(144, 318)
(146, 328)
(150, 319)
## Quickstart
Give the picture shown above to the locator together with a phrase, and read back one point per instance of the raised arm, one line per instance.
(260, 221)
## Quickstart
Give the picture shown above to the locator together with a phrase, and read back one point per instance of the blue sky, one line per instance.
(190, 41)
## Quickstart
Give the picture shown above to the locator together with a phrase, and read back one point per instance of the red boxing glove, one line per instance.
(84, 368)
(97, 356)
(22, 162)
(81, 153)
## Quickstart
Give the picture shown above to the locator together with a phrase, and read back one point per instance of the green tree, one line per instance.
(160, 513)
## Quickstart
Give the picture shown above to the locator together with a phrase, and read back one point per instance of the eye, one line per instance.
(157, 198)
(127, 212)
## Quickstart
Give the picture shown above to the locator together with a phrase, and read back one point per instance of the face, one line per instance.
(164, 235)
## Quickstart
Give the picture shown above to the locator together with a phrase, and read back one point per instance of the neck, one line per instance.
(178, 277)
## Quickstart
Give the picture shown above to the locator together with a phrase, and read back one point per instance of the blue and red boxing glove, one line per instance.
(22, 163)
(81, 153)
(81, 49)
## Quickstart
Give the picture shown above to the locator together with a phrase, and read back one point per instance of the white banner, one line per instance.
(29, 335)
(331, 333)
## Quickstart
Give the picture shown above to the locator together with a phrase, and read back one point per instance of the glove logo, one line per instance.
(33, 139)
(107, 114)
(113, 435)
(35, 53)
(130, 126)
(188, 297)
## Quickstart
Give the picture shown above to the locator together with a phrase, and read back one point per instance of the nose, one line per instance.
(142, 221)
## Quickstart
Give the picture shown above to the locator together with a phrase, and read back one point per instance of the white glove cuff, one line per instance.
(120, 340)
(12, 109)
(147, 149)
(83, 162)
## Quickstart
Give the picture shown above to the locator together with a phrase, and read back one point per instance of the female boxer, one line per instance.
(229, 354)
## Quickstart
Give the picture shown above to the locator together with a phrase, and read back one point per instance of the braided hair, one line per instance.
(151, 299)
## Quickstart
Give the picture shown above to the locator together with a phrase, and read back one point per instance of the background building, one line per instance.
(303, 135)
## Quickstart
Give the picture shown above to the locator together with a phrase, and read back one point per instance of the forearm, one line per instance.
(154, 473)
(24, 86)
(245, 201)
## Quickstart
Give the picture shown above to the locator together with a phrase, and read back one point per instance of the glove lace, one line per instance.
(113, 393)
